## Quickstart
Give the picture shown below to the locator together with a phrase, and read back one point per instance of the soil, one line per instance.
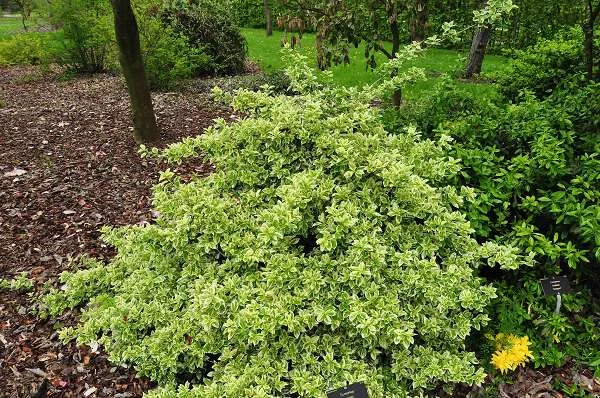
(68, 165)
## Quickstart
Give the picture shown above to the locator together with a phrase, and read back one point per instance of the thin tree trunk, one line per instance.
(588, 32)
(268, 19)
(418, 25)
(477, 52)
(130, 57)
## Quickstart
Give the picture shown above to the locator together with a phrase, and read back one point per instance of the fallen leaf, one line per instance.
(37, 372)
(15, 172)
(59, 383)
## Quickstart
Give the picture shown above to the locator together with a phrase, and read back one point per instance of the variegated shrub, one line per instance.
(323, 250)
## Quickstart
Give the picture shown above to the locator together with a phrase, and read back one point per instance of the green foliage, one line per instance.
(573, 333)
(177, 43)
(168, 55)
(88, 34)
(447, 101)
(323, 250)
(250, 13)
(278, 82)
(536, 173)
(543, 66)
(28, 49)
(538, 19)
(20, 283)
(208, 27)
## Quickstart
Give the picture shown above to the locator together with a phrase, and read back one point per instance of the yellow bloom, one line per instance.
(511, 351)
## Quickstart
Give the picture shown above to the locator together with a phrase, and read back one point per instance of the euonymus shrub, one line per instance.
(323, 250)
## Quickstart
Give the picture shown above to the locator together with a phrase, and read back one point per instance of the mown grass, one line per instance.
(266, 51)
(10, 25)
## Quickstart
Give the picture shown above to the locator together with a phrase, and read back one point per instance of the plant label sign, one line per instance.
(556, 285)
(354, 390)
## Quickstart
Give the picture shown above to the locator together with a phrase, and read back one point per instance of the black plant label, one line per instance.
(556, 285)
(354, 390)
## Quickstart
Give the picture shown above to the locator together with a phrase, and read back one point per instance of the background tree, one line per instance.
(486, 18)
(418, 22)
(341, 24)
(128, 40)
(268, 18)
(592, 11)
(25, 7)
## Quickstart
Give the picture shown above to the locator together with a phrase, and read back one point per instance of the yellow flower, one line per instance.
(511, 351)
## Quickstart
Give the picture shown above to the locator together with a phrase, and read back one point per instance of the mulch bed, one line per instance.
(68, 165)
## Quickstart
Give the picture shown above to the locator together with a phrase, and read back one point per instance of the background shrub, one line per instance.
(176, 42)
(88, 34)
(278, 82)
(28, 49)
(541, 67)
(168, 55)
(208, 27)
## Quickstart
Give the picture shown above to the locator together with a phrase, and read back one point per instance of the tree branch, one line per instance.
(384, 51)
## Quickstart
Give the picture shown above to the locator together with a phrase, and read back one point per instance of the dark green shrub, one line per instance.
(214, 33)
(543, 66)
(447, 102)
(168, 55)
(536, 172)
(323, 250)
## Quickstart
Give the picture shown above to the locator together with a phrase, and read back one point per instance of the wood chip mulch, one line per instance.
(68, 165)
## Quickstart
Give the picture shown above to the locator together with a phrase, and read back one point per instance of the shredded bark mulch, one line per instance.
(68, 165)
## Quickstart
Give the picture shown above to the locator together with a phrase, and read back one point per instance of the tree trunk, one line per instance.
(477, 52)
(268, 19)
(418, 24)
(588, 44)
(130, 57)
(397, 95)
(588, 31)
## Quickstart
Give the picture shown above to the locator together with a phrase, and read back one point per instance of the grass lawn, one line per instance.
(10, 25)
(266, 52)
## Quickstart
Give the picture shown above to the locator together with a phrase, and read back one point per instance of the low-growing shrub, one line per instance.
(278, 83)
(323, 250)
(21, 283)
(28, 49)
(446, 102)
